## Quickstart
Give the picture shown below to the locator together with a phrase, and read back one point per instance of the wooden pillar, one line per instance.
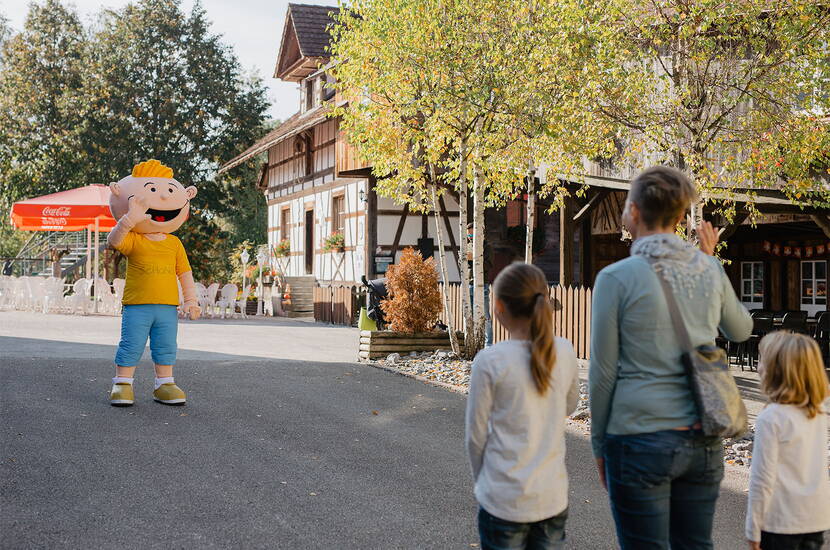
(566, 243)
(586, 261)
(371, 226)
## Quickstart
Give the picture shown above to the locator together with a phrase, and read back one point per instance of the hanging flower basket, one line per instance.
(282, 248)
(335, 242)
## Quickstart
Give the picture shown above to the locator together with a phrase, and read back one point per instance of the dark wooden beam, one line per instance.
(592, 203)
(371, 226)
(566, 243)
(389, 212)
(727, 231)
(399, 232)
(586, 260)
(447, 223)
(823, 221)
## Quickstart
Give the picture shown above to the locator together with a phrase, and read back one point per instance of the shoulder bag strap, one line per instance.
(674, 312)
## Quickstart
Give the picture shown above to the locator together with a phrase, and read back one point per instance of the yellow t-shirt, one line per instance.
(153, 268)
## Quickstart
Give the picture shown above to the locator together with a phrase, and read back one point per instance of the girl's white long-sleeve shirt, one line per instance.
(516, 437)
(789, 488)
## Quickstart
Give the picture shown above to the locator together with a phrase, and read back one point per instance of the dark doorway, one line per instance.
(309, 241)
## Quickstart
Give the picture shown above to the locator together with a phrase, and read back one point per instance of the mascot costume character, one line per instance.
(149, 205)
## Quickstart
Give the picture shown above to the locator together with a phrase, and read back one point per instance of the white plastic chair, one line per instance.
(210, 299)
(227, 299)
(104, 294)
(242, 303)
(118, 286)
(53, 294)
(80, 297)
(36, 299)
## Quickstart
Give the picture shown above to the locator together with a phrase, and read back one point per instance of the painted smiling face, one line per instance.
(167, 200)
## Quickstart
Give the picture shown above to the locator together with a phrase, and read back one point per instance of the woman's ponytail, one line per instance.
(542, 351)
(524, 291)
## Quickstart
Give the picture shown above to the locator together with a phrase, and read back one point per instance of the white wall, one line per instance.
(354, 260)
(412, 231)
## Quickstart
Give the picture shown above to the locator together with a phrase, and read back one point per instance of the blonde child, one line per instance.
(789, 490)
(521, 391)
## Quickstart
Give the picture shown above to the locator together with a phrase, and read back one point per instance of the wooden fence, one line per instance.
(336, 304)
(572, 320)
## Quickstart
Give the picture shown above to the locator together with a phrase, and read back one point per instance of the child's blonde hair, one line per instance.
(524, 291)
(793, 371)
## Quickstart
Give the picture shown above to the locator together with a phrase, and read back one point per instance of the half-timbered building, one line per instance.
(315, 185)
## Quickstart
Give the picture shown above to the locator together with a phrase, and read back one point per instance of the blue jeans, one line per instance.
(663, 488)
(807, 541)
(500, 534)
(159, 322)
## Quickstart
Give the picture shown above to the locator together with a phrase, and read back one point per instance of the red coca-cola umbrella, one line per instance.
(74, 210)
(71, 210)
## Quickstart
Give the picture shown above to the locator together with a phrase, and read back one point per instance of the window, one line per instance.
(328, 87)
(309, 95)
(338, 218)
(752, 284)
(285, 223)
(814, 286)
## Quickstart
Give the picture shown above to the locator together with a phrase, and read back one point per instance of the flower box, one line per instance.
(378, 344)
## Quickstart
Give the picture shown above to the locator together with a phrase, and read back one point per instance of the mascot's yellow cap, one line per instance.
(152, 169)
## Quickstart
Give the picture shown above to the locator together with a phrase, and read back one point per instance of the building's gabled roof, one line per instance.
(311, 24)
(305, 40)
(291, 127)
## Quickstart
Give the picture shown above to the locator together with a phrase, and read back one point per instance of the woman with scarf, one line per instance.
(662, 474)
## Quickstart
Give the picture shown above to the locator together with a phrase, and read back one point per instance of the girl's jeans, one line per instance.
(500, 534)
(807, 541)
(663, 487)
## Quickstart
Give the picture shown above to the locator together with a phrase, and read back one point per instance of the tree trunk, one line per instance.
(479, 320)
(531, 214)
(463, 250)
(442, 262)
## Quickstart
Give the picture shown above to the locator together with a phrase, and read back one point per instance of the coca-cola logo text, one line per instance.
(52, 222)
(55, 211)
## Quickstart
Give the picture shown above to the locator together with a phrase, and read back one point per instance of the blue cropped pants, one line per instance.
(159, 322)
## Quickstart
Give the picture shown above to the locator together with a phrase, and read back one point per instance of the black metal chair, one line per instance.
(762, 324)
(795, 321)
(821, 333)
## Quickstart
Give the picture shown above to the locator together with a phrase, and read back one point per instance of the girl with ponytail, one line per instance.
(521, 391)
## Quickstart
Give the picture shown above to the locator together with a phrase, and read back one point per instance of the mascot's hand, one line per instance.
(192, 310)
(137, 212)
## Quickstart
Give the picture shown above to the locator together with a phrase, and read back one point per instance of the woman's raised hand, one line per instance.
(707, 237)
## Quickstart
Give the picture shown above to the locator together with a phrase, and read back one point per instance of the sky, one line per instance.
(252, 27)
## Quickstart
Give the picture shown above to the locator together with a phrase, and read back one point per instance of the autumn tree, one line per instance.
(82, 106)
(732, 92)
(441, 99)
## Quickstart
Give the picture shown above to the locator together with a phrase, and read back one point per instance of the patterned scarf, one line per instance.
(683, 265)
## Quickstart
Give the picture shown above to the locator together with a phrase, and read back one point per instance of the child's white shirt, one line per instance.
(516, 437)
(789, 488)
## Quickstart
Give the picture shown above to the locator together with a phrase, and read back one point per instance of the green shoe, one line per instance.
(169, 394)
(122, 395)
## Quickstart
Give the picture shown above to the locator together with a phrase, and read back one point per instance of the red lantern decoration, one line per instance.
(767, 247)
(776, 249)
(808, 251)
(820, 250)
(797, 251)
(788, 251)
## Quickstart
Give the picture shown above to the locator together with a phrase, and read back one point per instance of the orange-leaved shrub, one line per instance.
(414, 303)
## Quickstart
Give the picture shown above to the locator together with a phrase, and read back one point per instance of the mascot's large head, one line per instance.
(168, 201)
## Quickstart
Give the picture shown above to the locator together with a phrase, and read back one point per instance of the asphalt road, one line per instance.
(284, 443)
